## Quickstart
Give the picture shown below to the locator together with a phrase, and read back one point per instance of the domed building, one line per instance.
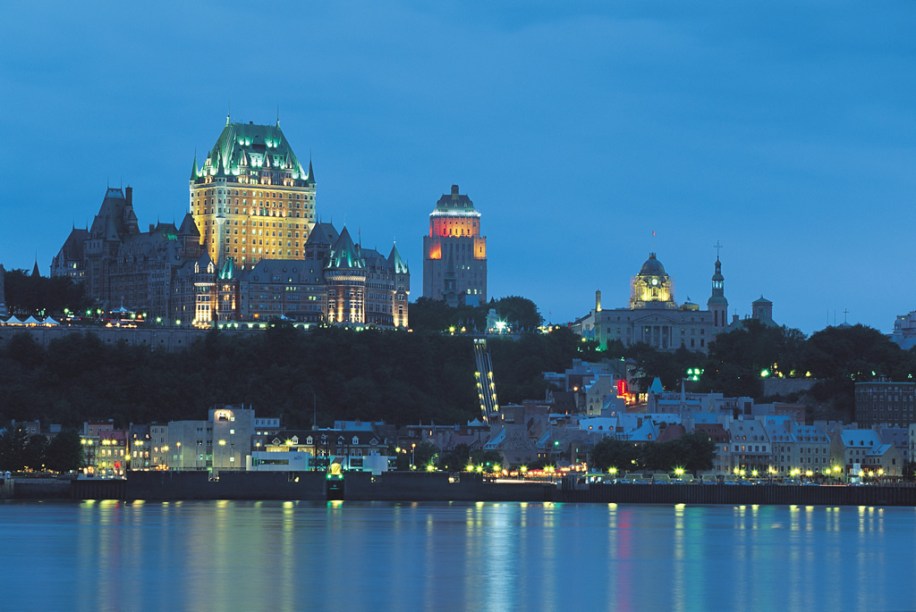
(655, 318)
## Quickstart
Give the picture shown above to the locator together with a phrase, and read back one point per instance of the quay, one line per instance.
(414, 486)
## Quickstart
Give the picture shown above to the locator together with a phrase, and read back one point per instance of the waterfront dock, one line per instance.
(440, 487)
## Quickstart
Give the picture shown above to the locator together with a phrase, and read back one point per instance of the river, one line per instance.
(453, 556)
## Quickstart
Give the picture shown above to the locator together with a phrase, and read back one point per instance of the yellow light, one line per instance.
(222, 443)
(430, 468)
(496, 467)
(469, 467)
(678, 471)
(612, 471)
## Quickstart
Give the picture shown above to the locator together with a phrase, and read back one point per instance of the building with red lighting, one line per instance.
(454, 253)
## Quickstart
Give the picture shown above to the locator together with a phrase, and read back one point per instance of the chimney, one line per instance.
(129, 194)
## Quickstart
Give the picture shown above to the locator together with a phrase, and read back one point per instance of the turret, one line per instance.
(401, 287)
(717, 304)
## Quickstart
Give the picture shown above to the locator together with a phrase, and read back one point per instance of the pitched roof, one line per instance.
(394, 258)
(254, 147)
(345, 254)
(188, 226)
(323, 233)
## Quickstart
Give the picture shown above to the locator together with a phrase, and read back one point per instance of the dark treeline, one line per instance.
(520, 314)
(371, 375)
(405, 377)
(740, 361)
(19, 451)
(28, 295)
(693, 452)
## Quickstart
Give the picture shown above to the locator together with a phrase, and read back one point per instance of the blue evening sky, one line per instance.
(785, 130)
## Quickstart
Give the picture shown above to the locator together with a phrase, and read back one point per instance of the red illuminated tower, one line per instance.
(454, 252)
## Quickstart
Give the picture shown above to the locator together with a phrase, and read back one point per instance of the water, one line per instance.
(459, 556)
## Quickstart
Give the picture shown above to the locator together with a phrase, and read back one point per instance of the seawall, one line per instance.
(414, 486)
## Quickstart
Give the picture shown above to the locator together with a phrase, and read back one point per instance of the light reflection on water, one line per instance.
(478, 556)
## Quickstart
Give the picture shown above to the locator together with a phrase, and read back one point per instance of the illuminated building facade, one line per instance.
(249, 249)
(654, 318)
(252, 199)
(140, 271)
(454, 252)
(339, 282)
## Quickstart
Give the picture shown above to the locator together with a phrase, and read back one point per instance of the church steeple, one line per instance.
(718, 305)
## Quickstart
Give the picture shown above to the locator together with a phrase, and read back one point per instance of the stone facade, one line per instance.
(252, 199)
(247, 250)
(655, 318)
(454, 252)
(890, 403)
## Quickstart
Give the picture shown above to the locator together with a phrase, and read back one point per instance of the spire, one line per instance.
(311, 177)
(194, 170)
(35, 271)
(345, 254)
(717, 303)
(395, 260)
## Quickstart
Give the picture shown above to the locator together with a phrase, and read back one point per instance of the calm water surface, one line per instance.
(484, 556)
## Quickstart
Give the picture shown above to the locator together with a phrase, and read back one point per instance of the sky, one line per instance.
(587, 133)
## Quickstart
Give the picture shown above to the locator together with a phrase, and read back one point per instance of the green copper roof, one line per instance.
(246, 148)
(345, 254)
(394, 258)
(228, 270)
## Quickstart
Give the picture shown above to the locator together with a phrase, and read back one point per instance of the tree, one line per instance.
(64, 452)
(486, 458)
(33, 455)
(614, 453)
(12, 449)
(455, 459)
(738, 358)
(521, 313)
(841, 356)
(424, 454)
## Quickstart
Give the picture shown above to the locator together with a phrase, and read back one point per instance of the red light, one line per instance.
(622, 388)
